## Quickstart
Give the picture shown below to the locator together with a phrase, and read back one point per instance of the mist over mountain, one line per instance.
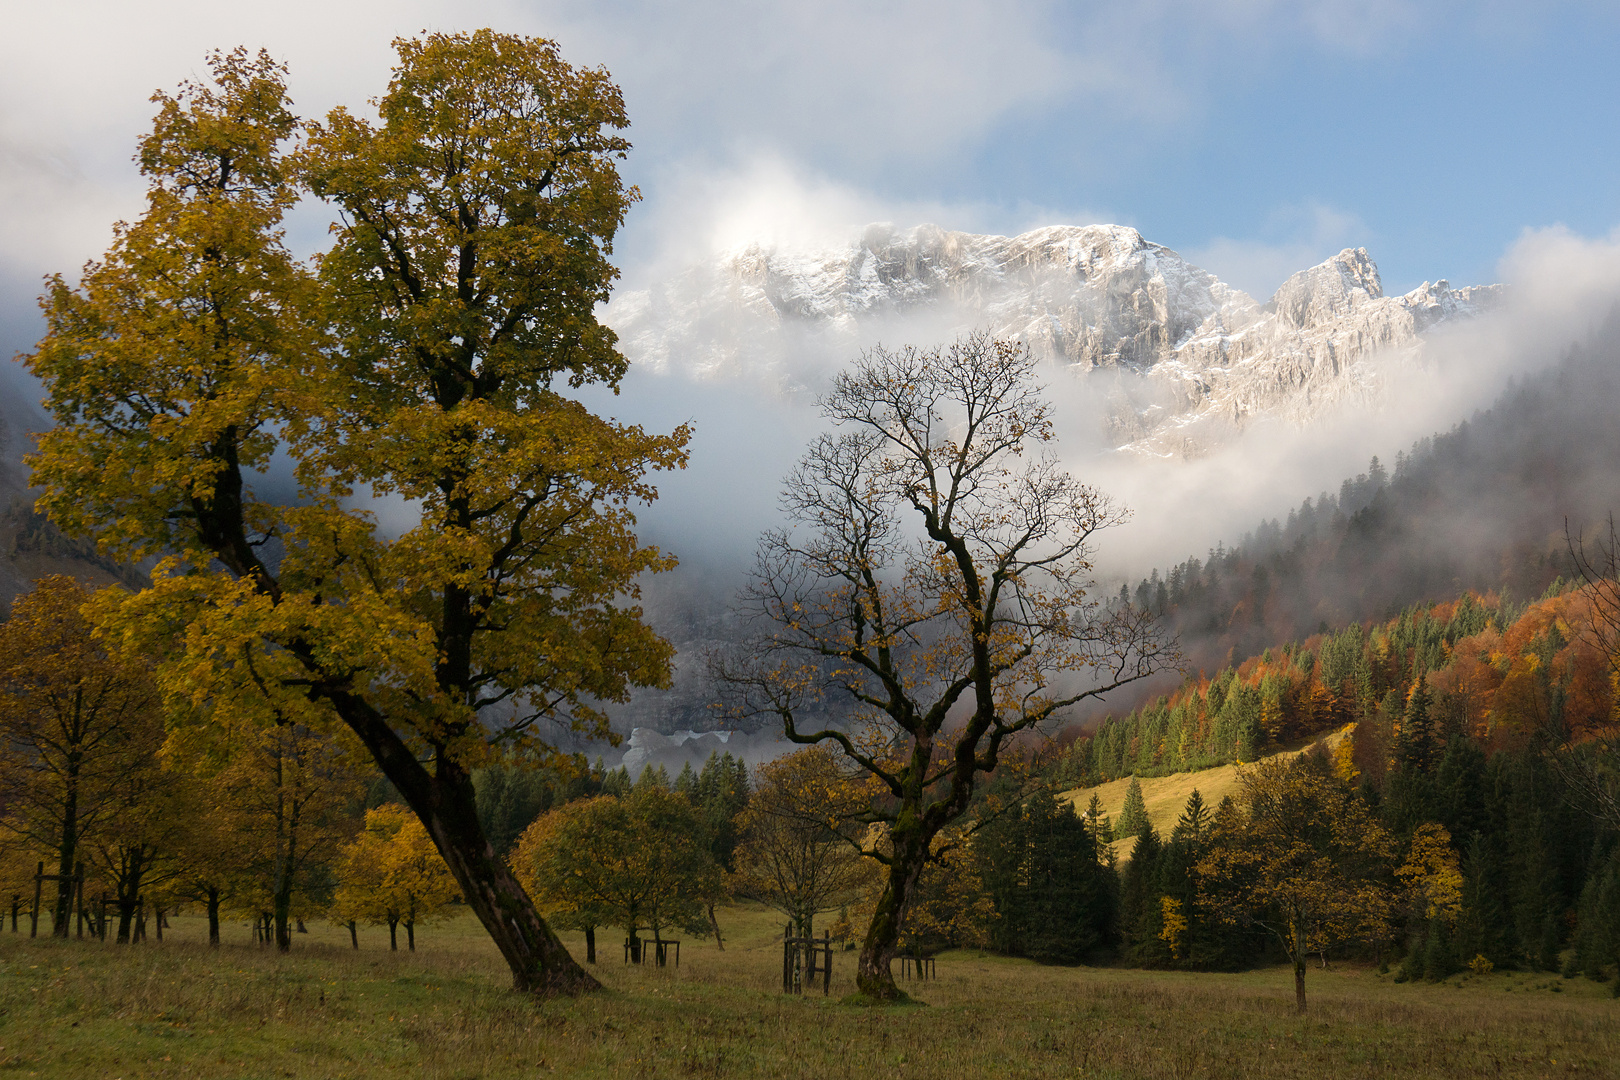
(1185, 398)
(1490, 505)
(1176, 360)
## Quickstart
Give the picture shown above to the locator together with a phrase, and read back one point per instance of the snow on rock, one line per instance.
(1192, 359)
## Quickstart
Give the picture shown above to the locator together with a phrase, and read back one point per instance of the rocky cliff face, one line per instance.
(1184, 359)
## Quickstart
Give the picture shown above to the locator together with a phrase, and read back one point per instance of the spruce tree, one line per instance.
(1102, 829)
(1415, 747)
(1133, 819)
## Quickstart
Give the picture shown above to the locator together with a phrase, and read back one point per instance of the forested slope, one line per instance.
(1482, 507)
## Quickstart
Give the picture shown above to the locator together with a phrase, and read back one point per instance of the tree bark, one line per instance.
(66, 850)
(590, 944)
(714, 923)
(129, 891)
(213, 918)
(354, 936)
(283, 917)
(410, 934)
(1299, 969)
(445, 803)
(393, 935)
(874, 975)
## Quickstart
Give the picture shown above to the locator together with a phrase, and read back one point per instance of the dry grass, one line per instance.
(1166, 796)
(180, 1010)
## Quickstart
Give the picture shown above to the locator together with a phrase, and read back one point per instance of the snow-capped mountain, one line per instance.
(1184, 359)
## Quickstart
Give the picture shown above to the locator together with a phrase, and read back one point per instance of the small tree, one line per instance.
(392, 874)
(1302, 859)
(282, 797)
(1099, 825)
(1133, 819)
(641, 862)
(80, 728)
(792, 855)
(936, 583)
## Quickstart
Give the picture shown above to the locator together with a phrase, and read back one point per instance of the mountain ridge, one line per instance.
(1188, 360)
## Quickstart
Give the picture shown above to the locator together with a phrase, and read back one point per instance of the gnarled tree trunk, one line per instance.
(445, 802)
(874, 975)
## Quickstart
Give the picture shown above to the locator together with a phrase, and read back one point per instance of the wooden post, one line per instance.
(39, 883)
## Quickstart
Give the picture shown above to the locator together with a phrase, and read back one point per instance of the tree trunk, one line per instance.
(1299, 969)
(410, 934)
(129, 891)
(282, 879)
(393, 935)
(354, 936)
(590, 944)
(445, 803)
(213, 918)
(283, 919)
(873, 974)
(715, 924)
(66, 849)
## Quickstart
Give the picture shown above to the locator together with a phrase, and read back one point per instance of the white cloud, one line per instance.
(699, 209)
(1292, 239)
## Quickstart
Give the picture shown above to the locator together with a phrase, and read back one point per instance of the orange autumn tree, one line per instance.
(641, 862)
(798, 853)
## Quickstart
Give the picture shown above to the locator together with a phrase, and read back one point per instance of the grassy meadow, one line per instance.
(1165, 797)
(177, 1009)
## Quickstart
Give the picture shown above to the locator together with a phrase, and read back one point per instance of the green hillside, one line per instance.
(1166, 796)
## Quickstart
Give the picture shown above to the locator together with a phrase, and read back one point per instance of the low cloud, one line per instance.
(1291, 239)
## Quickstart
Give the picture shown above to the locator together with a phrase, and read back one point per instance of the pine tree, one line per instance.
(1102, 829)
(1139, 897)
(1133, 820)
(1415, 747)
(686, 782)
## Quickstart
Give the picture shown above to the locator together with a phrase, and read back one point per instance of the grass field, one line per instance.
(1166, 796)
(177, 1009)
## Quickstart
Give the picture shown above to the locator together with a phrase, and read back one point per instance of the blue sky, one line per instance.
(1254, 136)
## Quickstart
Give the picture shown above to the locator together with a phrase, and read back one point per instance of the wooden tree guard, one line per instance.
(919, 967)
(796, 975)
(137, 929)
(657, 948)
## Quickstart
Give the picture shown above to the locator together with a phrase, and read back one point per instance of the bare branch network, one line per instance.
(934, 580)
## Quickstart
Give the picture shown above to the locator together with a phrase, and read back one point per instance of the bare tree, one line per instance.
(936, 583)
